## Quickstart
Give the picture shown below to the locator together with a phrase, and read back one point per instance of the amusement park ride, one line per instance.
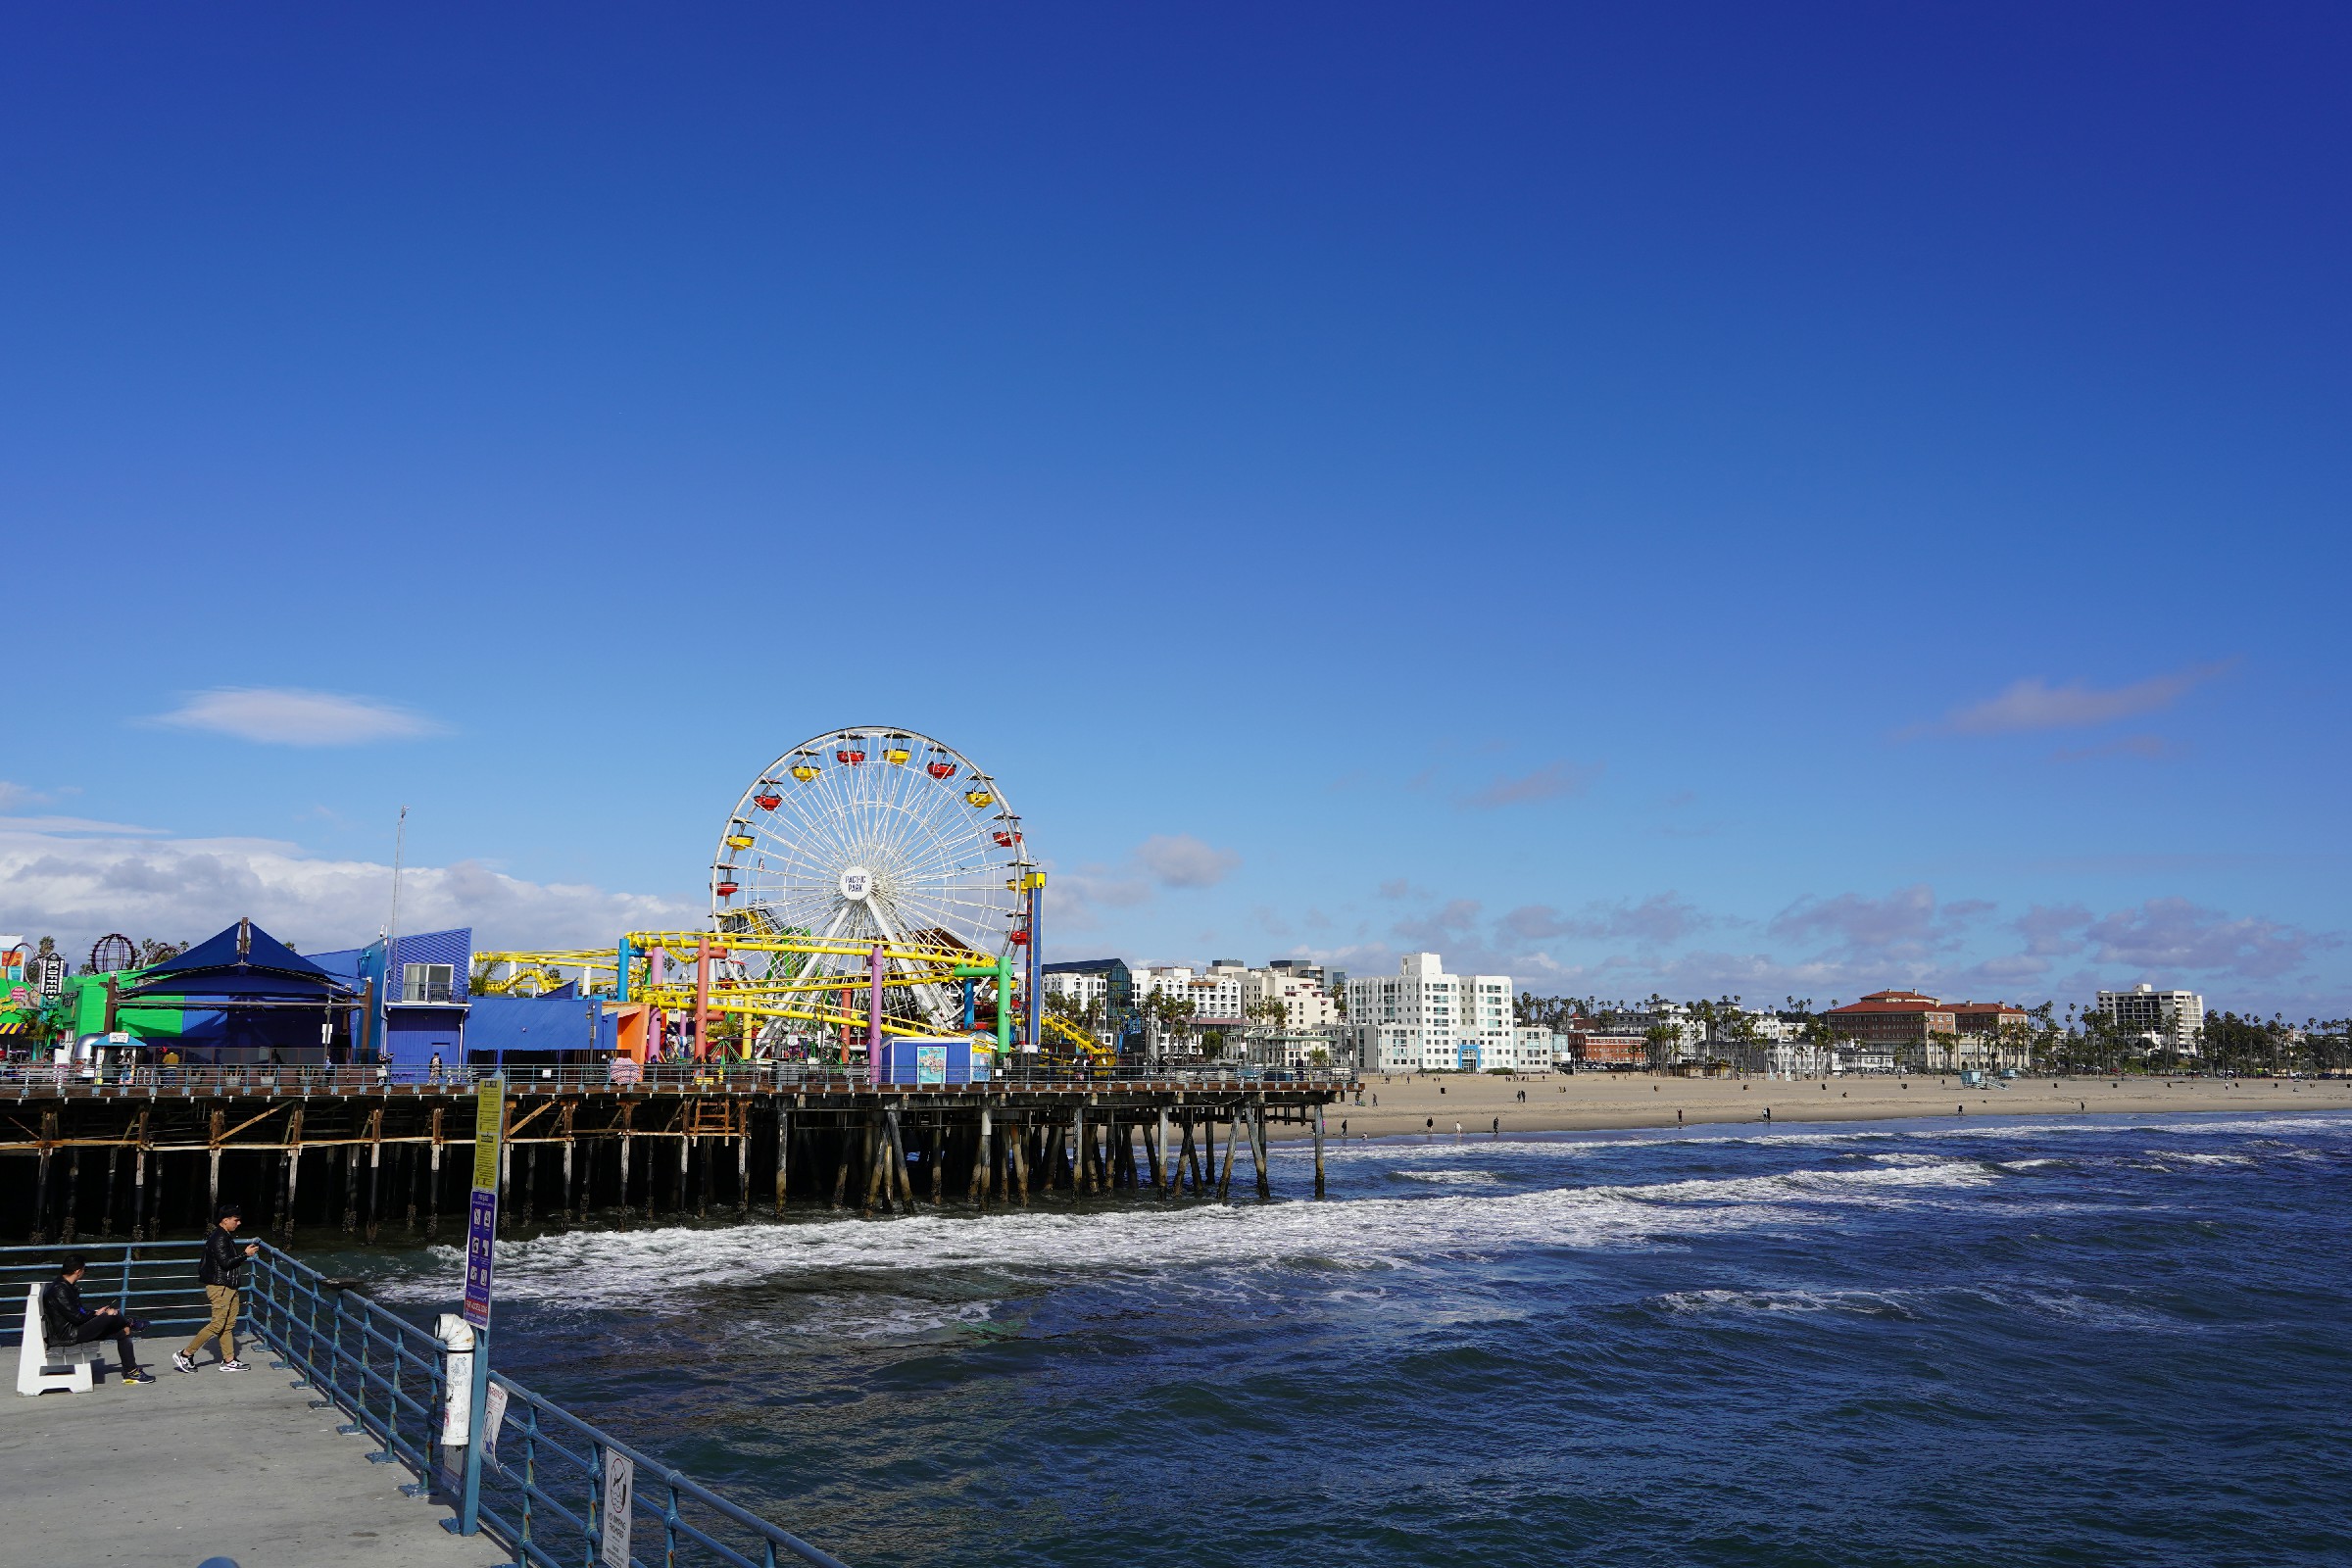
(870, 885)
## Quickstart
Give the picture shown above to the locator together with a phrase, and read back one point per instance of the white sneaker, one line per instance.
(234, 1366)
(183, 1360)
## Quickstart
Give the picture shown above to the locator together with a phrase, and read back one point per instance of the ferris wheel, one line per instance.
(874, 834)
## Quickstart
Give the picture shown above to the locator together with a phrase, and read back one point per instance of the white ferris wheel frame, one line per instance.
(874, 850)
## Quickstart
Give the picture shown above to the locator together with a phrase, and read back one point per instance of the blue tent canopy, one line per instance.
(242, 965)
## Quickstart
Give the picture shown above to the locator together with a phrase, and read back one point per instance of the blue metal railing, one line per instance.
(543, 1474)
(154, 1282)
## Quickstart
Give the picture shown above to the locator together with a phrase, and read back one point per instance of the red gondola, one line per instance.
(942, 769)
(1004, 838)
(726, 890)
(851, 758)
(1021, 938)
(769, 803)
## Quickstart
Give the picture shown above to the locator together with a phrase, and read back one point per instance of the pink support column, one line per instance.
(656, 973)
(702, 1000)
(873, 1017)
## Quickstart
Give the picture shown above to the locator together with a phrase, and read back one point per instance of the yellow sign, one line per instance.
(489, 1122)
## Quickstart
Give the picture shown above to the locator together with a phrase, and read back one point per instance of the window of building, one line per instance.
(426, 982)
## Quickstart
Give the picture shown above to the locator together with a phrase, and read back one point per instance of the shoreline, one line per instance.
(1595, 1102)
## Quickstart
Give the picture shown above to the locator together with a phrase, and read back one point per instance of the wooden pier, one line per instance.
(392, 1161)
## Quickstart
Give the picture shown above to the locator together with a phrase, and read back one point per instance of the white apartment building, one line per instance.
(1216, 995)
(1305, 1004)
(1422, 1019)
(1080, 988)
(1534, 1048)
(2176, 1017)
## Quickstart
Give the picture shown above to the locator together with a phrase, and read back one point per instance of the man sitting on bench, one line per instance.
(66, 1322)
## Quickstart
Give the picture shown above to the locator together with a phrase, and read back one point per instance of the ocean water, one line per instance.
(2095, 1341)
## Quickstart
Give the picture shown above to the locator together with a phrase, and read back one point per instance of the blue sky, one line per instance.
(1777, 501)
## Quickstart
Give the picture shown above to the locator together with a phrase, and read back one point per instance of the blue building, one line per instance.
(560, 1029)
(422, 1013)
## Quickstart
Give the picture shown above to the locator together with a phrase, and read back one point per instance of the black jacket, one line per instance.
(62, 1311)
(224, 1259)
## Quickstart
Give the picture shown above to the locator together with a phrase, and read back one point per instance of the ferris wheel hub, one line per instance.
(857, 884)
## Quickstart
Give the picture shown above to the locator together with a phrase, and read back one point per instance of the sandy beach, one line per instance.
(1555, 1104)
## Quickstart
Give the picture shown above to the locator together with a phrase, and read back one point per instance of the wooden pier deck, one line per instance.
(342, 1147)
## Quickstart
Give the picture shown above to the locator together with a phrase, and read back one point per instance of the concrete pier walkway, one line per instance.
(207, 1464)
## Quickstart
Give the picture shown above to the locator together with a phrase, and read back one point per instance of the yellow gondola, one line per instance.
(804, 771)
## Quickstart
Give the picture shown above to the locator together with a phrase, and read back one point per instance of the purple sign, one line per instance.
(482, 1236)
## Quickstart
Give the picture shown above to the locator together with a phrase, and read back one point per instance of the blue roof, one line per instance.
(241, 962)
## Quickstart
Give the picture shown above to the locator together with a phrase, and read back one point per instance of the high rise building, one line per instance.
(1422, 1019)
(2173, 1017)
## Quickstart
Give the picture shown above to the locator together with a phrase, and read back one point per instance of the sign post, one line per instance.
(482, 1237)
(620, 1505)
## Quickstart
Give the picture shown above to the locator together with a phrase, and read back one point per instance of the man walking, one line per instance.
(221, 1268)
(66, 1322)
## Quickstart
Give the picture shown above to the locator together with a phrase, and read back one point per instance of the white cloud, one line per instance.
(283, 715)
(1183, 862)
(1550, 782)
(2166, 934)
(2033, 704)
(81, 882)
(1662, 917)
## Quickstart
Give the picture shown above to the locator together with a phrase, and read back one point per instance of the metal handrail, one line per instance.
(519, 1476)
(542, 1483)
(154, 1282)
(391, 1377)
(667, 1077)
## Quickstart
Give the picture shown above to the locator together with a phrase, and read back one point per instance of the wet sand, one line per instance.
(1581, 1100)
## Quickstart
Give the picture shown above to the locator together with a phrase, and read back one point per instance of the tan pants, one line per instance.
(224, 1322)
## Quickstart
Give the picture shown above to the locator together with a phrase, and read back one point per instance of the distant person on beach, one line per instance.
(221, 1268)
(66, 1322)
(1498, 1126)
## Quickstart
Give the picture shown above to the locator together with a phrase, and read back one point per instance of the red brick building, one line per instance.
(1929, 1034)
(1892, 1018)
(1618, 1052)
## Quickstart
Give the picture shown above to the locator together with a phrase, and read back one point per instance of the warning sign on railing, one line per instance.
(620, 1502)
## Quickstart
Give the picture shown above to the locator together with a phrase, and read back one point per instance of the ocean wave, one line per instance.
(1868, 1303)
(622, 1267)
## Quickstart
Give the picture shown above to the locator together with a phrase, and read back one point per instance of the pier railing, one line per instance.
(543, 1471)
(667, 1077)
(154, 1282)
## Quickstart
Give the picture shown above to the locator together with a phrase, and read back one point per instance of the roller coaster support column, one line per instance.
(873, 1018)
(701, 1000)
(1001, 973)
(620, 987)
(1035, 882)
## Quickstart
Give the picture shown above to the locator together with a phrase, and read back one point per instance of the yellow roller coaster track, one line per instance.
(1080, 1038)
(531, 974)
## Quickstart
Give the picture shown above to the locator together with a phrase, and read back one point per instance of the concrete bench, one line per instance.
(39, 1369)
